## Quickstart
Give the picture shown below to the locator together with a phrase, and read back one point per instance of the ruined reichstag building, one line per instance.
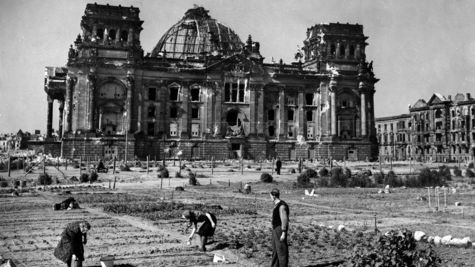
(206, 93)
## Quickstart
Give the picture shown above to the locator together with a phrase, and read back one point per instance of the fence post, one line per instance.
(212, 165)
(147, 164)
(9, 165)
(44, 165)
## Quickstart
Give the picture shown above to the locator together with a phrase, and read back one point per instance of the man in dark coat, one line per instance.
(278, 165)
(206, 229)
(280, 225)
(71, 246)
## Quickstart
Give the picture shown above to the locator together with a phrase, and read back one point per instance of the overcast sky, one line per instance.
(418, 47)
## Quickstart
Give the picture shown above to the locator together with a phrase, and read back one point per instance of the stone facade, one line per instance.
(203, 92)
(442, 130)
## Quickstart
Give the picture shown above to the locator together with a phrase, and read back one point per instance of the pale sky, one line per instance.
(418, 47)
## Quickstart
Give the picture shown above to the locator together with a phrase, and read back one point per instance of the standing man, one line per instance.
(280, 225)
(278, 165)
(70, 248)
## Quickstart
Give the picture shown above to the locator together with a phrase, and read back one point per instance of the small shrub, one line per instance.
(392, 179)
(457, 171)
(338, 177)
(347, 173)
(292, 170)
(378, 177)
(16, 184)
(23, 183)
(84, 178)
(45, 179)
(160, 167)
(93, 177)
(305, 178)
(367, 172)
(323, 172)
(444, 173)
(470, 165)
(163, 173)
(469, 173)
(266, 178)
(322, 181)
(124, 168)
(178, 174)
(3, 183)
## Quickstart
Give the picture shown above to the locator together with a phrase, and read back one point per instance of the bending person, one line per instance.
(206, 229)
(71, 246)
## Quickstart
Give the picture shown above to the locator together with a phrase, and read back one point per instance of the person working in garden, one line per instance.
(70, 249)
(278, 165)
(280, 225)
(206, 229)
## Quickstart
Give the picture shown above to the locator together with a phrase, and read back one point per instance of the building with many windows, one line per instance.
(204, 92)
(441, 129)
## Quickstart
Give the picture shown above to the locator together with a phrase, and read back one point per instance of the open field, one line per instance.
(139, 221)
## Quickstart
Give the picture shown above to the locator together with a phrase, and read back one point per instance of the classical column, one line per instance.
(60, 120)
(332, 89)
(363, 113)
(128, 102)
(70, 81)
(49, 121)
(282, 115)
(253, 110)
(130, 36)
(338, 49)
(185, 105)
(218, 112)
(101, 112)
(91, 78)
(301, 115)
(117, 36)
(260, 110)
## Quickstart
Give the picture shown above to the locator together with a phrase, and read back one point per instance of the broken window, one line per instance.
(173, 129)
(332, 49)
(152, 94)
(309, 99)
(352, 50)
(173, 112)
(174, 93)
(270, 115)
(227, 92)
(310, 132)
(195, 129)
(342, 50)
(290, 114)
(241, 93)
(100, 33)
(290, 133)
(112, 34)
(271, 130)
(151, 111)
(195, 114)
(234, 92)
(151, 128)
(123, 36)
(195, 94)
(310, 115)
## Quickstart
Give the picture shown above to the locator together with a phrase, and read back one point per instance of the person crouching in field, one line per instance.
(206, 229)
(70, 248)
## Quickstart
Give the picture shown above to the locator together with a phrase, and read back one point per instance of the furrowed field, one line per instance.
(137, 218)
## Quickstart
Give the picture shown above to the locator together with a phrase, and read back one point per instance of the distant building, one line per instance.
(204, 92)
(441, 129)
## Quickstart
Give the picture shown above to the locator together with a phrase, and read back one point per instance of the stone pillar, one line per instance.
(301, 115)
(130, 36)
(252, 110)
(128, 102)
(49, 121)
(184, 120)
(218, 112)
(106, 35)
(101, 112)
(70, 82)
(94, 30)
(117, 36)
(363, 113)
(332, 88)
(260, 111)
(60, 121)
(338, 50)
(282, 115)
(91, 79)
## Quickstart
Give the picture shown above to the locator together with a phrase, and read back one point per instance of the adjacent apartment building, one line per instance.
(441, 129)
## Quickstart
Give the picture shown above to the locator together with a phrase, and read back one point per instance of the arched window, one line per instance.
(123, 36)
(332, 49)
(174, 92)
(352, 51)
(100, 33)
(112, 34)
(342, 50)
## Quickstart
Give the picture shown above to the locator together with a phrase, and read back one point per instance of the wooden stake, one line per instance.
(115, 179)
(147, 164)
(212, 165)
(9, 165)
